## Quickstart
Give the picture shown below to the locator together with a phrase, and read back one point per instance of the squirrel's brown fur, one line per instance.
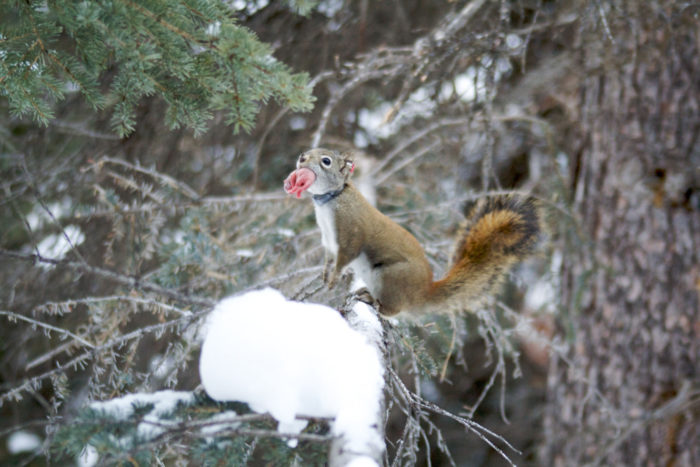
(500, 231)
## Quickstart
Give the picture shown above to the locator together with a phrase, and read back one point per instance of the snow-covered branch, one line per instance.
(289, 358)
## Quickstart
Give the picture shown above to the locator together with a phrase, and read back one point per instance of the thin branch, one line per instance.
(207, 202)
(79, 360)
(158, 19)
(407, 161)
(129, 281)
(251, 198)
(494, 336)
(49, 306)
(459, 21)
(80, 130)
(268, 129)
(687, 397)
(604, 19)
(406, 142)
(131, 184)
(361, 77)
(165, 179)
(423, 55)
(453, 339)
(15, 316)
(43, 205)
(49, 355)
(479, 430)
(112, 298)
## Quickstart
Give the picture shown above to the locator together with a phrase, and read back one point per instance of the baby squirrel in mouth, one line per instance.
(501, 231)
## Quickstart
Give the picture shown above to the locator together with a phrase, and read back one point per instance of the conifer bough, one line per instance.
(191, 53)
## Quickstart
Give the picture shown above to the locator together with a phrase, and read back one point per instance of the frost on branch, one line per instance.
(295, 359)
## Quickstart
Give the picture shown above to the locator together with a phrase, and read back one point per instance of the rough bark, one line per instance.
(627, 392)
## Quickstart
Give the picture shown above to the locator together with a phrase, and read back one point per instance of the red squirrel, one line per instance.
(501, 231)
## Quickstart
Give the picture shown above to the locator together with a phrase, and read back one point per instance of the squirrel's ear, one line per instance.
(348, 164)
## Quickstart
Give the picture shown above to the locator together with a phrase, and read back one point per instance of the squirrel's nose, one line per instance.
(302, 158)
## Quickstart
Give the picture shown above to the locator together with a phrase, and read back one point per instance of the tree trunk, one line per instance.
(626, 390)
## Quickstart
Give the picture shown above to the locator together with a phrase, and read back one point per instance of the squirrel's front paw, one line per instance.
(327, 274)
(331, 279)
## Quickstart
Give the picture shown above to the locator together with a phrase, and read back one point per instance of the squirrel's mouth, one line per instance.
(299, 181)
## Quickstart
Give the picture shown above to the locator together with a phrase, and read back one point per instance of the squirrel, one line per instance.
(501, 231)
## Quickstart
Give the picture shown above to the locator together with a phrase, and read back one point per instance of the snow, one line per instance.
(213, 29)
(123, 407)
(249, 6)
(289, 233)
(470, 85)
(22, 441)
(245, 253)
(542, 294)
(225, 420)
(289, 358)
(56, 246)
(297, 123)
(161, 366)
(39, 216)
(363, 461)
(513, 41)
(374, 121)
(363, 319)
(152, 424)
(89, 457)
(330, 7)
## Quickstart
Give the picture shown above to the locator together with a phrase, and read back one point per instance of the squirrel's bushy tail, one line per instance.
(499, 232)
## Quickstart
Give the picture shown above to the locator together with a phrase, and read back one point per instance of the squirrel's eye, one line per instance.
(326, 161)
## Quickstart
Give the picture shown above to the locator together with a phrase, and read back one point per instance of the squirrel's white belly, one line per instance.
(325, 218)
(369, 276)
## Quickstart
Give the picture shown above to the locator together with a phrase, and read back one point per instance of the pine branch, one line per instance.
(153, 48)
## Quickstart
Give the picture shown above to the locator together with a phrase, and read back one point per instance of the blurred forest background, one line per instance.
(142, 151)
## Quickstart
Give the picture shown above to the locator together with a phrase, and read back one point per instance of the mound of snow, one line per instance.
(289, 358)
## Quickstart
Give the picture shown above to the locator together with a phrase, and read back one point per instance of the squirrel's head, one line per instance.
(319, 171)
